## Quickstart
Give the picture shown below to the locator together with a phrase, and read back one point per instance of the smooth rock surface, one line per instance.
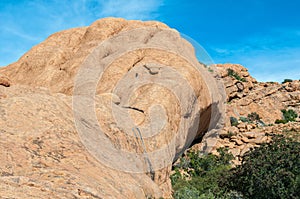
(48, 149)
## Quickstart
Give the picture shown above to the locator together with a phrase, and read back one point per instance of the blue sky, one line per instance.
(262, 35)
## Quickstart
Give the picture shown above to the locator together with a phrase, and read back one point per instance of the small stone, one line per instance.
(233, 129)
(230, 145)
(261, 139)
(242, 130)
(245, 140)
(233, 137)
(224, 134)
(248, 127)
(246, 149)
(241, 126)
(250, 135)
(238, 142)
(236, 162)
(235, 151)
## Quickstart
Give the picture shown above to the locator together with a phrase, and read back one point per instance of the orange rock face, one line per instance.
(248, 96)
(90, 108)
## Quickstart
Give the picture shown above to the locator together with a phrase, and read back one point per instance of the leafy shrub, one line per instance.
(253, 117)
(287, 80)
(230, 134)
(288, 116)
(280, 121)
(234, 74)
(187, 192)
(234, 121)
(244, 119)
(270, 171)
(202, 175)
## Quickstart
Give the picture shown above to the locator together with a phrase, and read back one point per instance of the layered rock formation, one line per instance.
(102, 112)
(246, 96)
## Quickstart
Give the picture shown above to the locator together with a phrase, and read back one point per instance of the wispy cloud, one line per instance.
(270, 57)
(19, 33)
(26, 23)
(132, 9)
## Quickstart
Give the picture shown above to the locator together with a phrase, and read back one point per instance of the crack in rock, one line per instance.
(152, 70)
(133, 108)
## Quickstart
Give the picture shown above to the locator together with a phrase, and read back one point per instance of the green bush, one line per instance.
(253, 117)
(288, 116)
(202, 175)
(234, 121)
(234, 74)
(287, 80)
(270, 171)
(187, 193)
(244, 119)
(280, 121)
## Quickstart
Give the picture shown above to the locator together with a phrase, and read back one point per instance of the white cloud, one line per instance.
(27, 23)
(19, 33)
(270, 57)
(132, 9)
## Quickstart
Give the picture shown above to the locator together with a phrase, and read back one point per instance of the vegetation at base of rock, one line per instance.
(198, 176)
(234, 121)
(269, 171)
(230, 134)
(234, 74)
(288, 116)
(244, 119)
(287, 80)
(253, 117)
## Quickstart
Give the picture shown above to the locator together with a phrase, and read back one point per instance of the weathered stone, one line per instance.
(230, 145)
(237, 141)
(245, 140)
(235, 151)
(56, 158)
(261, 139)
(241, 125)
(246, 148)
(249, 127)
(4, 81)
(250, 135)
(234, 130)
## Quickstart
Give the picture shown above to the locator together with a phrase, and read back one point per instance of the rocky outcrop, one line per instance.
(246, 97)
(43, 156)
(102, 112)
(245, 137)
(4, 81)
(54, 63)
